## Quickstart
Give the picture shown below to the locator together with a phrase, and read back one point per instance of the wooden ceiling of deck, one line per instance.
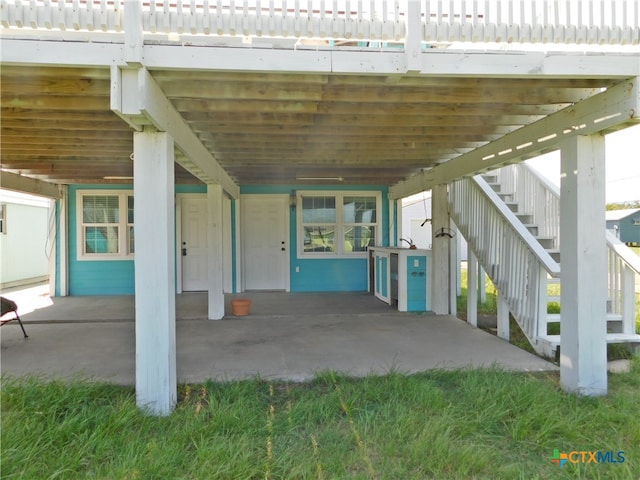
(272, 128)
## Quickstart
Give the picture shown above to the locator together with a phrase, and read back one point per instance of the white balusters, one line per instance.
(527, 21)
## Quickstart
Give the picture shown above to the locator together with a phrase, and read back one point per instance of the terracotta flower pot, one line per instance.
(240, 307)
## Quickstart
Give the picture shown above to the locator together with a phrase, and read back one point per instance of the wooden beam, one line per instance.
(386, 142)
(58, 116)
(479, 82)
(41, 85)
(612, 109)
(346, 108)
(26, 71)
(251, 106)
(69, 149)
(56, 102)
(243, 91)
(138, 94)
(118, 139)
(437, 108)
(338, 159)
(20, 183)
(100, 123)
(413, 95)
(488, 131)
(166, 76)
(211, 120)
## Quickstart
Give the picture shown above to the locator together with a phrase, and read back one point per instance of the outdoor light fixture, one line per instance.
(321, 179)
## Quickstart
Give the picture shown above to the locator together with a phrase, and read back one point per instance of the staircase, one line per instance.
(510, 218)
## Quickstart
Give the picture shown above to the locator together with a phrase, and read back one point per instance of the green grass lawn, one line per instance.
(464, 424)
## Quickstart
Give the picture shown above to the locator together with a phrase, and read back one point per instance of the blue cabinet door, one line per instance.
(416, 283)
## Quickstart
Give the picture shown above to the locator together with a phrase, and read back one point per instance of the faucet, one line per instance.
(410, 242)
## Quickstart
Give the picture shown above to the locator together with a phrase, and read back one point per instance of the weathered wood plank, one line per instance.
(40, 85)
(51, 102)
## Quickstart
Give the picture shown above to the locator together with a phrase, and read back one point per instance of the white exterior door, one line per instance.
(265, 242)
(193, 248)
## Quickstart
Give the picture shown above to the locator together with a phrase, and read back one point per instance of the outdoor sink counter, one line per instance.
(401, 277)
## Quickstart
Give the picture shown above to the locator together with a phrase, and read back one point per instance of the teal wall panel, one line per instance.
(117, 277)
(104, 277)
(330, 274)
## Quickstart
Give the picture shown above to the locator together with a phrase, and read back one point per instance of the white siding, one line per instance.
(23, 247)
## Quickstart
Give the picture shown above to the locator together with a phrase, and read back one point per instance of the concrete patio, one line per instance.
(287, 336)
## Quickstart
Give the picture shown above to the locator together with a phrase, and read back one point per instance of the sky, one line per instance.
(622, 165)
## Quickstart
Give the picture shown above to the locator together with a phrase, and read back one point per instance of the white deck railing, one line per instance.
(516, 263)
(540, 198)
(535, 195)
(612, 22)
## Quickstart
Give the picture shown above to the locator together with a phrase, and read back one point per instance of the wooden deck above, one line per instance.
(290, 92)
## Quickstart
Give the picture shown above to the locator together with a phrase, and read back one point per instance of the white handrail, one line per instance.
(549, 264)
(624, 252)
(514, 261)
(535, 195)
(533, 21)
(596, 22)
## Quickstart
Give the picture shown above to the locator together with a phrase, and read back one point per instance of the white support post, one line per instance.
(454, 277)
(51, 245)
(628, 301)
(214, 247)
(63, 242)
(482, 285)
(458, 264)
(153, 171)
(583, 347)
(503, 317)
(239, 253)
(393, 236)
(472, 289)
(441, 244)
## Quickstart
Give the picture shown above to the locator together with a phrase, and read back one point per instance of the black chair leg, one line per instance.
(21, 326)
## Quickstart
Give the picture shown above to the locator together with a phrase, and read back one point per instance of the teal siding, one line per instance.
(315, 275)
(105, 277)
(331, 274)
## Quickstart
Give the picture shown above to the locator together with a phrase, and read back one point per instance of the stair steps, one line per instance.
(548, 344)
(554, 253)
(611, 338)
(546, 242)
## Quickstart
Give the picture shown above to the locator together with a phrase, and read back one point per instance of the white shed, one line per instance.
(23, 239)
